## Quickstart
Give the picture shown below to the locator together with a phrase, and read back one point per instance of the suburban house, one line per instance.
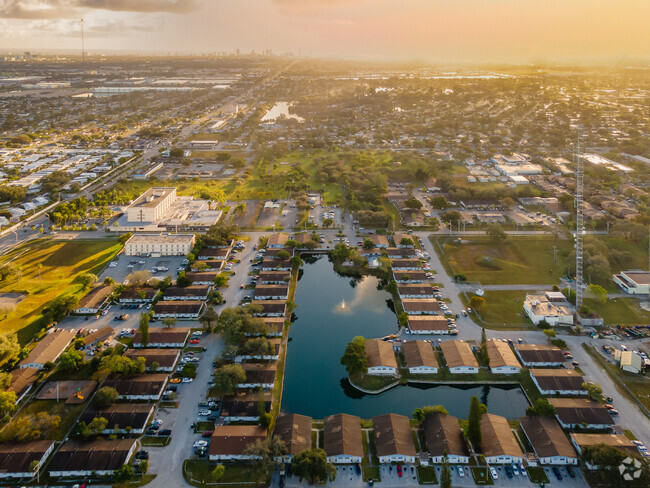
(138, 295)
(16, 458)
(548, 440)
(406, 264)
(175, 338)
(498, 441)
(180, 309)
(381, 358)
(583, 413)
(400, 240)
(445, 437)
(229, 442)
(274, 277)
(394, 439)
(48, 349)
(166, 359)
(100, 335)
(191, 293)
(259, 375)
(502, 359)
(244, 407)
(415, 290)
(270, 308)
(420, 357)
(147, 387)
(22, 380)
(94, 300)
(378, 240)
(410, 276)
(277, 241)
(619, 441)
(271, 292)
(635, 282)
(428, 324)
(158, 245)
(459, 357)
(295, 431)
(272, 264)
(552, 307)
(422, 306)
(123, 418)
(205, 278)
(535, 355)
(558, 382)
(343, 439)
(96, 458)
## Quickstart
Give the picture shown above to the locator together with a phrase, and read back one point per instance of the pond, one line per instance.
(280, 108)
(331, 310)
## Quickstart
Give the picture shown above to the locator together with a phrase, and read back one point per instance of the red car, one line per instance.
(399, 470)
(194, 341)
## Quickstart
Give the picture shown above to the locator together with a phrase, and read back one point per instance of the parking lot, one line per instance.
(158, 267)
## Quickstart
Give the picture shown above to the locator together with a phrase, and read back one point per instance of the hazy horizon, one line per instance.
(430, 31)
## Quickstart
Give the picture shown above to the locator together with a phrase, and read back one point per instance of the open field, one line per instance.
(517, 260)
(620, 311)
(503, 310)
(68, 414)
(241, 475)
(62, 262)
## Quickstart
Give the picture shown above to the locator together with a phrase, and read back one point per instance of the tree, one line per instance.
(439, 202)
(603, 455)
(138, 278)
(482, 350)
(106, 396)
(71, 360)
(420, 414)
(598, 292)
(209, 318)
(94, 428)
(5, 380)
(154, 366)
(445, 475)
(87, 279)
(182, 280)
(477, 303)
(7, 402)
(33, 427)
(267, 450)
(124, 237)
(542, 407)
(9, 348)
(368, 244)
(283, 255)
(406, 241)
(189, 370)
(413, 203)
(594, 391)
(228, 377)
(453, 216)
(355, 358)
(550, 333)
(123, 473)
(169, 322)
(143, 328)
(122, 365)
(312, 465)
(474, 422)
(328, 222)
(60, 307)
(403, 319)
(176, 152)
(495, 232)
(259, 346)
(108, 281)
(218, 471)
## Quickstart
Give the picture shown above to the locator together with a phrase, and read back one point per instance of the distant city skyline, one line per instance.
(440, 31)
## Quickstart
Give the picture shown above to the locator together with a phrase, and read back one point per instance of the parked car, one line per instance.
(399, 470)
(165, 432)
(557, 473)
(461, 473)
(495, 475)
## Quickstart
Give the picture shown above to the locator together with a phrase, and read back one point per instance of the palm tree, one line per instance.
(40, 266)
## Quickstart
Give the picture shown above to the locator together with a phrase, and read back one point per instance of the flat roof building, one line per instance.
(158, 245)
(152, 205)
(548, 307)
(635, 282)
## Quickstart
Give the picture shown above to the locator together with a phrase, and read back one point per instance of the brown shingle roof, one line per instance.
(188, 291)
(279, 239)
(100, 455)
(405, 263)
(539, 353)
(380, 353)
(260, 373)
(393, 435)
(419, 353)
(22, 379)
(272, 291)
(546, 436)
(458, 353)
(176, 335)
(497, 438)
(95, 297)
(135, 294)
(501, 355)
(166, 358)
(234, 439)
(558, 379)
(342, 435)
(614, 440)
(266, 276)
(413, 275)
(581, 410)
(428, 322)
(99, 335)
(421, 305)
(49, 347)
(415, 289)
(178, 306)
(295, 431)
(443, 435)
(17, 458)
(144, 384)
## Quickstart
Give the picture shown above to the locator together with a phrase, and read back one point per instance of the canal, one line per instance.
(331, 310)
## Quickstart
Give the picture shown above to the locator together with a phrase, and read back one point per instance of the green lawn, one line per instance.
(481, 475)
(371, 382)
(427, 475)
(503, 310)
(537, 475)
(620, 311)
(62, 262)
(68, 414)
(136, 481)
(517, 260)
(155, 441)
(241, 475)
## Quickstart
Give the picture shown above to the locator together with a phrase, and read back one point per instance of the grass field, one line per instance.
(427, 475)
(620, 311)
(503, 310)
(68, 414)
(241, 475)
(517, 260)
(62, 262)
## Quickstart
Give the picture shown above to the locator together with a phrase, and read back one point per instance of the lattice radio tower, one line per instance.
(580, 225)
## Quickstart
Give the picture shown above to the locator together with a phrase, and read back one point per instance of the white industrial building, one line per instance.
(158, 245)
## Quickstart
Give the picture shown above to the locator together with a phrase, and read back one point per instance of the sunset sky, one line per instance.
(444, 31)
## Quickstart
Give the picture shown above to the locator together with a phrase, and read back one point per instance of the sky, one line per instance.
(440, 31)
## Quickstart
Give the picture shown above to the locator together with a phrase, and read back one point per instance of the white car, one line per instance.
(186, 380)
(204, 413)
(200, 443)
(461, 473)
(495, 475)
(515, 471)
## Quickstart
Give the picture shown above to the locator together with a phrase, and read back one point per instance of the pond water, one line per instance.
(331, 310)
(280, 108)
